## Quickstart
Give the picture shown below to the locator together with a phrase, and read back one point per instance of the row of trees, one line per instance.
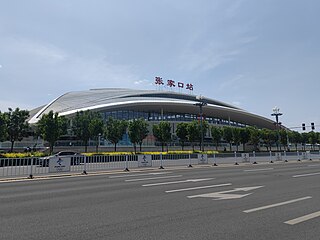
(88, 125)
(13, 125)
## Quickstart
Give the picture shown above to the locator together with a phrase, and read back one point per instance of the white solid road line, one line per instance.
(257, 170)
(154, 178)
(314, 165)
(303, 218)
(140, 174)
(195, 188)
(306, 175)
(276, 204)
(182, 181)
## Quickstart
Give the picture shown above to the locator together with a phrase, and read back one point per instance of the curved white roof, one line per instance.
(146, 100)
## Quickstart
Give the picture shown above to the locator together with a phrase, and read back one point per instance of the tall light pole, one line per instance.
(201, 103)
(277, 113)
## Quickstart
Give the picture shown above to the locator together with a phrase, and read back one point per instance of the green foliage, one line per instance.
(3, 127)
(114, 130)
(295, 138)
(228, 135)
(87, 125)
(193, 133)
(283, 137)
(269, 137)
(244, 136)
(162, 132)
(236, 136)
(17, 127)
(96, 127)
(51, 127)
(137, 131)
(216, 134)
(254, 136)
(182, 133)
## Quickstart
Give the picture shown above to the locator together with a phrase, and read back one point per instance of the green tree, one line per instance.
(236, 134)
(3, 127)
(304, 139)
(17, 125)
(295, 138)
(193, 133)
(254, 137)
(51, 127)
(312, 139)
(137, 131)
(244, 137)
(162, 133)
(269, 137)
(96, 127)
(283, 138)
(81, 126)
(205, 127)
(114, 130)
(182, 133)
(228, 136)
(216, 134)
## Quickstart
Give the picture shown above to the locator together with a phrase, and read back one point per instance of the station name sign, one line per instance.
(171, 83)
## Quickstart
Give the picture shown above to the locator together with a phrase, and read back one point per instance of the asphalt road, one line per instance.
(263, 201)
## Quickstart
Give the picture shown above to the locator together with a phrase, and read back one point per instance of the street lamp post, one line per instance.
(201, 103)
(277, 113)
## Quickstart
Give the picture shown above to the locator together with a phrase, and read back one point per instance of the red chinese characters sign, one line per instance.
(172, 83)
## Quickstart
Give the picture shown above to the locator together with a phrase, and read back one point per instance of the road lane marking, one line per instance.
(183, 181)
(142, 174)
(276, 204)
(154, 178)
(224, 195)
(257, 170)
(306, 175)
(303, 218)
(195, 188)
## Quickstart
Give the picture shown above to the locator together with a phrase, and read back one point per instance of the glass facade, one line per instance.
(171, 117)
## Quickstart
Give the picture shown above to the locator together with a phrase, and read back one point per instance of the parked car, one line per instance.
(44, 161)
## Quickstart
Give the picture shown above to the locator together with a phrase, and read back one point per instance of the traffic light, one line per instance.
(312, 126)
(303, 126)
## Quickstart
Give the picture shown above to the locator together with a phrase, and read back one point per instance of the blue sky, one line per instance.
(253, 54)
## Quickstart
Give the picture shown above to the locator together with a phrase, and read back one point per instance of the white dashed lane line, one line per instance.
(124, 175)
(153, 178)
(306, 175)
(276, 204)
(176, 182)
(303, 218)
(258, 170)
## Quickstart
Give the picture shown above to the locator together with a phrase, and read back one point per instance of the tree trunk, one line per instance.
(216, 146)
(12, 143)
(135, 148)
(97, 146)
(140, 146)
(244, 147)
(230, 146)
(115, 147)
(162, 146)
(51, 148)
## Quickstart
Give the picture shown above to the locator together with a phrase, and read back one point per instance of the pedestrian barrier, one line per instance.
(34, 166)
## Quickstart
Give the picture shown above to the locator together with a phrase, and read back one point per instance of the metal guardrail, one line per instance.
(29, 167)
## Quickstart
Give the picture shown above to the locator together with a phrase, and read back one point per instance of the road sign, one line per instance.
(59, 164)
(245, 157)
(144, 160)
(225, 195)
(203, 158)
